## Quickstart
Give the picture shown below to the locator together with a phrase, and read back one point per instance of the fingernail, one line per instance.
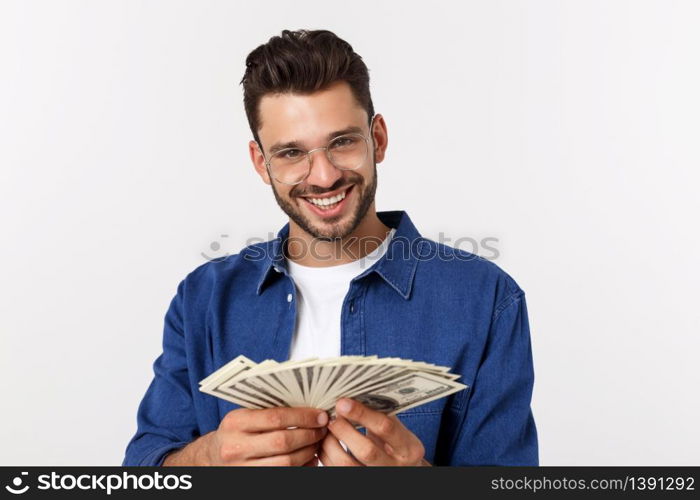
(388, 448)
(344, 405)
(322, 418)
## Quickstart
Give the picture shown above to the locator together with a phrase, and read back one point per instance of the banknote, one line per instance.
(388, 385)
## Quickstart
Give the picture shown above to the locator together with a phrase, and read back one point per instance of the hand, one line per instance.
(263, 437)
(388, 442)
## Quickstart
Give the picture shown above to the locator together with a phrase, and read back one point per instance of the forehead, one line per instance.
(309, 117)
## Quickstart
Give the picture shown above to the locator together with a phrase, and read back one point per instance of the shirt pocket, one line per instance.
(431, 408)
(454, 401)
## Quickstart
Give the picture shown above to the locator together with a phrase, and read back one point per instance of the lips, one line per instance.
(327, 195)
(328, 208)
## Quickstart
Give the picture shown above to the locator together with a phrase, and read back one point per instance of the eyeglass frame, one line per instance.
(308, 154)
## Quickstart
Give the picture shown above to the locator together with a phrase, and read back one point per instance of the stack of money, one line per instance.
(389, 385)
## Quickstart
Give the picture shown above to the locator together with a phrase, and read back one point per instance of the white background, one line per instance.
(567, 130)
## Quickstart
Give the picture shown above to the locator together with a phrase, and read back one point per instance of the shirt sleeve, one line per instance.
(497, 426)
(166, 418)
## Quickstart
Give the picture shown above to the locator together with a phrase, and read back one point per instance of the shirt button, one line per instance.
(289, 297)
(352, 307)
(278, 269)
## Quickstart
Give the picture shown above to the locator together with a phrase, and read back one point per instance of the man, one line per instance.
(340, 279)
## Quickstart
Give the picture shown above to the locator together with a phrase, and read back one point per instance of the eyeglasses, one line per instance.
(345, 152)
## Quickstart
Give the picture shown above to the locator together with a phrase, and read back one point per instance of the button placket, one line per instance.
(352, 336)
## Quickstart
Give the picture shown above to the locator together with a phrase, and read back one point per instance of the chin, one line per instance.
(332, 230)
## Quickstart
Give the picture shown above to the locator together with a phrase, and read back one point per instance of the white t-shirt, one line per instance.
(321, 291)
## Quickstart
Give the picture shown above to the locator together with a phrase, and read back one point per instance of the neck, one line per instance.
(306, 250)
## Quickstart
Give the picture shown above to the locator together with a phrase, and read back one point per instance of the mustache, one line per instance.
(315, 190)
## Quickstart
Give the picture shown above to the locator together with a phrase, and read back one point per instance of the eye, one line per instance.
(290, 154)
(344, 142)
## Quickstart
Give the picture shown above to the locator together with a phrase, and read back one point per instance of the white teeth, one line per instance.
(323, 202)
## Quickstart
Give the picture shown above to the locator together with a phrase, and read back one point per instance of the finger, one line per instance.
(334, 453)
(294, 459)
(312, 463)
(388, 429)
(409, 454)
(269, 419)
(374, 438)
(284, 441)
(362, 448)
(328, 462)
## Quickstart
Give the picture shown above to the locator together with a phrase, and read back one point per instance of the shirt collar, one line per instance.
(397, 266)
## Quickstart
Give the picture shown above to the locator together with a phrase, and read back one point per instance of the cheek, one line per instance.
(360, 180)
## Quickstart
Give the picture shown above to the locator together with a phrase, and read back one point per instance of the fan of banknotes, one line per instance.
(389, 385)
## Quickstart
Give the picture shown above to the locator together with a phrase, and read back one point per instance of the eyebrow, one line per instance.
(279, 146)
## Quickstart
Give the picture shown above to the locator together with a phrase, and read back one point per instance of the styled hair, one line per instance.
(302, 61)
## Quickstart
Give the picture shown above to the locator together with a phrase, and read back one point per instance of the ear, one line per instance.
(258, 160)
(380, 137)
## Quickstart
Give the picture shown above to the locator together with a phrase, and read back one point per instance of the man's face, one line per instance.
(309, 121)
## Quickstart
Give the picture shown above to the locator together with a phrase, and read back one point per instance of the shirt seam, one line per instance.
(506, 303)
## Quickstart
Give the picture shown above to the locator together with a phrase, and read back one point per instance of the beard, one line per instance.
(333, 228)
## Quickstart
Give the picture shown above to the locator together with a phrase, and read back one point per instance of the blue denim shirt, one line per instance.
(422, 300)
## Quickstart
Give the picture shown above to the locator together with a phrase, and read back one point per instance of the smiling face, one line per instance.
(330, 203)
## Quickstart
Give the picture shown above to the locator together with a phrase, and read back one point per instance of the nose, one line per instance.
(322, 172)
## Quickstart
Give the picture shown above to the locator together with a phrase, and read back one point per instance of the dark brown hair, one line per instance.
(303, 62)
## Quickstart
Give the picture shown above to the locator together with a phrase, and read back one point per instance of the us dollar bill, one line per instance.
(390, 385)
(405, 392)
